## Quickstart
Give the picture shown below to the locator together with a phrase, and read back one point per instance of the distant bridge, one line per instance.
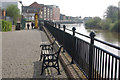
(68, 21)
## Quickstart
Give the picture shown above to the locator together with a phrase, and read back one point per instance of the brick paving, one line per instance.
(20, 55)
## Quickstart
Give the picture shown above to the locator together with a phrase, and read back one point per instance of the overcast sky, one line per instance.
(84, 8)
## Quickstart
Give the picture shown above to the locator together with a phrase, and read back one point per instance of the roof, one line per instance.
(36, 5)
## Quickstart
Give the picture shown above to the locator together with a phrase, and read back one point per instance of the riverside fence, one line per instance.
(95, 62)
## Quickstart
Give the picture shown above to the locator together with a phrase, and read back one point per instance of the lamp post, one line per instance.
(21, 7)
(21, 11)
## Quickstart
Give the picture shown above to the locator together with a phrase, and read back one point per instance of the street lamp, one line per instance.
(21, 10)
(21, 6)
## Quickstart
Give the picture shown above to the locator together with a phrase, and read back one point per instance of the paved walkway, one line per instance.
(20, 55)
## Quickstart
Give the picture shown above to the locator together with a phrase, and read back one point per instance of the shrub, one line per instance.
(105, 24)
(116, 27)
(6, 26)
(93, 23)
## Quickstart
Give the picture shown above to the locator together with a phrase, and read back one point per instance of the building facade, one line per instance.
(0, 12)
(56, 12)
(48, 12)
(29, 12)
(62, 17)
(39, 7)
(6, 3)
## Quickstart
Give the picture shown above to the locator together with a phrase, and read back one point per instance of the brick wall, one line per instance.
(0, 12)
(56, 13)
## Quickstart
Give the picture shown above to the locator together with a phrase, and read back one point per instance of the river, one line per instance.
(107, 36)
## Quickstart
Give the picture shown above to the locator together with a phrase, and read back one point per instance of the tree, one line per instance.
(97, 19)
(14, 12)
(93, 22)
(112, 13)
(116, 27)
(105, 24)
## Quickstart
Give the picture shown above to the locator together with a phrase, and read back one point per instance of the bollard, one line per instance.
(63, 37)
(73, 29)
(52, 24)
(64, 27)
(92, 35)
(55, 24)
(59, 26)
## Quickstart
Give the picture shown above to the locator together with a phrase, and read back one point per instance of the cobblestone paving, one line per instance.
(20, 55)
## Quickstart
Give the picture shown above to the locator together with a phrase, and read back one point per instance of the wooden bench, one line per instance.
(50, 57)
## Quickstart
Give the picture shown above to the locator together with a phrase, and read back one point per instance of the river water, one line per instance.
(107, 36)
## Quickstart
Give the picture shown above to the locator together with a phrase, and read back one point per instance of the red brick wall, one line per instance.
(3, 13)
(56, 13)
(0, 12)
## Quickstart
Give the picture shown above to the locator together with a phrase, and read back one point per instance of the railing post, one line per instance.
(55, 24)
(44, 23)
(59, 26)
(92, 35)
(64, 28)
(52, 23)
(73, 29)
(63, 38)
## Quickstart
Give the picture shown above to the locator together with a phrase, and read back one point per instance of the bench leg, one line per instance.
(41, 72)
(58, 69)
(42, 68)
(41, 56)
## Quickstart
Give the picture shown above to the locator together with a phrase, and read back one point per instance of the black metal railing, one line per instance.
(95, 62)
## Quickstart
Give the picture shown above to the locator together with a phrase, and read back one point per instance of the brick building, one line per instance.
(51, 12)
(38, 6)
(45, 12)
(56, 12)
(0, 12)
(48, 12)
(62, 17)
(29, 12)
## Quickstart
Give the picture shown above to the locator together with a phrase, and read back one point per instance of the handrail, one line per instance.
(106, 43)
(117, 47)
(68, 29)
(118, 57)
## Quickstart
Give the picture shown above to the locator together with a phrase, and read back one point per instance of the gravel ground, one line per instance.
(20, 55)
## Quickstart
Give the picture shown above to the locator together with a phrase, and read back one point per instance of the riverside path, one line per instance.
(20, 55)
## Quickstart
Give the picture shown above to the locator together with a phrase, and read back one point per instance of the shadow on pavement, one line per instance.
(37, 69)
